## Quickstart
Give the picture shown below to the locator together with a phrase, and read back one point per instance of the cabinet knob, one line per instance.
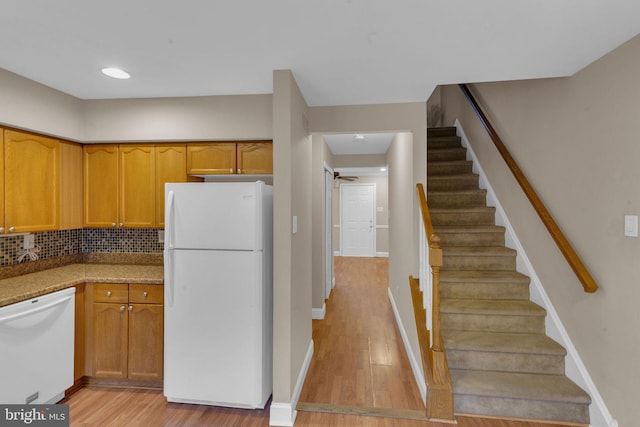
(130, 308)
(12, 229)
(121, 225)
(113, 224)
(122, 308)
(144, 294)
(108, 293)
(1, 229)
(239, 170)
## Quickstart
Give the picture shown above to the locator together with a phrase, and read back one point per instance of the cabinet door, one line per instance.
(70, 185)
(31, 177)
(2, 229)
(255, 157)
(79, 335)
(137, 186)
(146, 335)
(110, 343)
(211, 158)
(171, 166)
(100, 185)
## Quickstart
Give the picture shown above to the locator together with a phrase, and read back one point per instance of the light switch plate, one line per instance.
(294, 224)
(631, 225)
(160, 236)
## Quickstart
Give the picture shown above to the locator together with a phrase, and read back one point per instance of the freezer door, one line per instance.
(214, 330)
(214, 216)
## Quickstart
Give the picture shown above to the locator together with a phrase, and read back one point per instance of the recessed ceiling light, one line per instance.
(116, 73)
(359, 137)
(383, 169)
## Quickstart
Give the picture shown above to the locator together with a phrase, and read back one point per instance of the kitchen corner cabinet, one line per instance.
(70, 185)
(171, 166)
(128, 331)
(230, 158)
(31, 182)
(119, 185)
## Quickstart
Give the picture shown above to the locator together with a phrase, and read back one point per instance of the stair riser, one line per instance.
(466, 263)
(466, 182)
(452, 200)
(463, 218)
(471, 239)
(441, 131)
(436, 169)
(521, 408)
(499, 291)
(506, 362)
(444, 142)
(493, 323)
(447, 155)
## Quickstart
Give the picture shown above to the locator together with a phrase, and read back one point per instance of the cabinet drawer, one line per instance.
(111, 292)
(144, 293)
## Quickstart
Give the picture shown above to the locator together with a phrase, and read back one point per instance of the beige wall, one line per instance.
(28, 105)
(292, 252)
(359, 161)
(233, 117)
(578, 141)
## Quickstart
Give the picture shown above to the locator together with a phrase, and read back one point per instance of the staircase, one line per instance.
(501, 361)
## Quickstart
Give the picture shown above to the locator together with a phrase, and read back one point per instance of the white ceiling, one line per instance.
(373, 143)
(341, 52)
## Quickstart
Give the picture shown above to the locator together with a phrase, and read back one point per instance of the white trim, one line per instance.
(337, 253)
(415, 367)
(282, 413)
(574, 367)
(319, 313)
(382, 254)
(382, 226)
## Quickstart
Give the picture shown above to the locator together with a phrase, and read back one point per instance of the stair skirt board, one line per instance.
(574, 367)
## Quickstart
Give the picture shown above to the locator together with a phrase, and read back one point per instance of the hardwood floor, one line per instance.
(359, 366)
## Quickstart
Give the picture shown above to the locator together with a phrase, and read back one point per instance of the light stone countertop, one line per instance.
(32, 285)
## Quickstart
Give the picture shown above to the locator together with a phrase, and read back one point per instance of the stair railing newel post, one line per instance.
(439, 404)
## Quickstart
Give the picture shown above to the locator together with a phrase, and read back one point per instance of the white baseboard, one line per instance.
(574, 367)
(415, 366)
(382, 254)
(284, 413)
(319, 313)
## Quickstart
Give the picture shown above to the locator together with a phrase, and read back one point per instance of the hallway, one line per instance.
(359, 358)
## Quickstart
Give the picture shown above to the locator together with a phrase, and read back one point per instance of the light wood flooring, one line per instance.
(359, 366)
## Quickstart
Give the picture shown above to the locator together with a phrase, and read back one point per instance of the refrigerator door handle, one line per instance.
(170, 220)
(168, 276)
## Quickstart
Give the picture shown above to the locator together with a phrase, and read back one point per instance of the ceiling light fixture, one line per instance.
(116, 73)
(359, 137)
(383, 169)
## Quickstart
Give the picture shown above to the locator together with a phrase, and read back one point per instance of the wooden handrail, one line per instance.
(588, 283)
(439, 403)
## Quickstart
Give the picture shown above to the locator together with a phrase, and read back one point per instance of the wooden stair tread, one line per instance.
(502, 342)
(491, 307)
(557, 388)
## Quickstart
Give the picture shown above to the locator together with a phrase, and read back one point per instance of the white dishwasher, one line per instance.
(36, 348)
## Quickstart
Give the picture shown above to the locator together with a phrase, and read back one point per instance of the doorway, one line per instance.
(358, 220)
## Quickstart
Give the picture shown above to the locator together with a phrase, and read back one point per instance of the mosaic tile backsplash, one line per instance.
(60, 243)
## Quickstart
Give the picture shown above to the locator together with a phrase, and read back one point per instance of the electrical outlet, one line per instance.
(160, 236)
(29, 241)
(631, 225)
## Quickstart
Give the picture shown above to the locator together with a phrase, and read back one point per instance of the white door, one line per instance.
(328, 221)
(357, 222)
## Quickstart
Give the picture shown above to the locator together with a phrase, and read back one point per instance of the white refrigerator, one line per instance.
(218, 279)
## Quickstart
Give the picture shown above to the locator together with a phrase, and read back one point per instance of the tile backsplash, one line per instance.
(60, 243)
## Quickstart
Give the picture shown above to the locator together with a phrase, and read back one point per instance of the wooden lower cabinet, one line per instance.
(128, 330)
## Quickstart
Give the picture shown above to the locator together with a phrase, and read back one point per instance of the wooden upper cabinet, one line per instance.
(255, 157)
(211, 158)
(171, 166)
(100, 185)
(70, 185)
(31, 182)
(2, 229)
(137, 185)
